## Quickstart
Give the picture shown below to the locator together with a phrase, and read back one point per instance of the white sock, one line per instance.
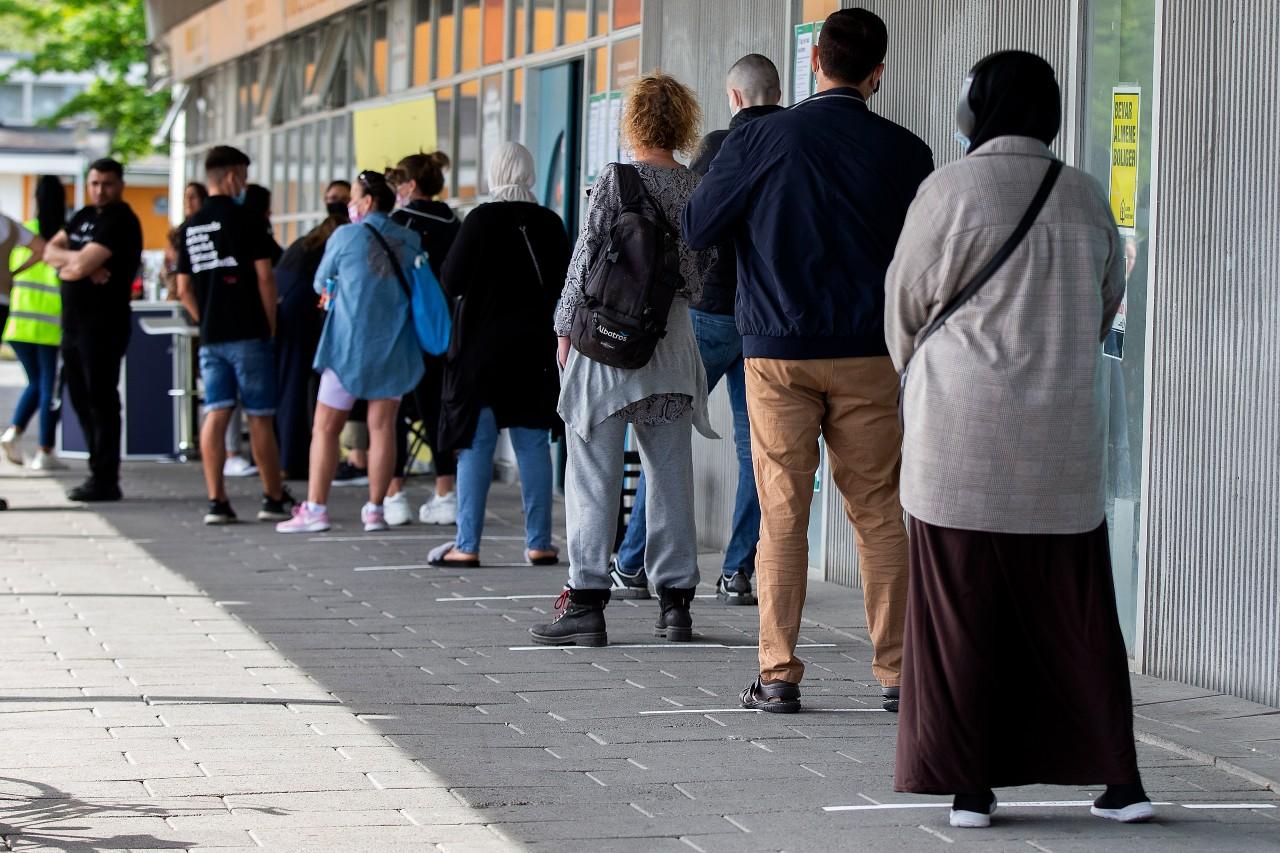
(315, 508)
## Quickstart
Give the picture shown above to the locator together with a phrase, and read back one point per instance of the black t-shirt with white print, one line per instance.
(217, 248)
(116, 227)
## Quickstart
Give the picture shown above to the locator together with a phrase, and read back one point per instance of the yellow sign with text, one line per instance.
(1126, 110)
(386, 135)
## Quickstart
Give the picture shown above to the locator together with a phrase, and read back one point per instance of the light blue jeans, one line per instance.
(475, 475)
(721, 348)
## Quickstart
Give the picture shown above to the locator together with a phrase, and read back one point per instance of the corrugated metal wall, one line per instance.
(697, 42)
(1212, 591)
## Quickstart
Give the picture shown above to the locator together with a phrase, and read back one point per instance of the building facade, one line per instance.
(1165, 103)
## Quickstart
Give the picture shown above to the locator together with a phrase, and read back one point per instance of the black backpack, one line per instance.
(631, 284)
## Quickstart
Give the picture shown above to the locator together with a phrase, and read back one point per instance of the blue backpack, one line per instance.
(431, 317)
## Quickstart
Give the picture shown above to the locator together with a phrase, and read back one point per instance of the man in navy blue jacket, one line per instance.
(814, 199)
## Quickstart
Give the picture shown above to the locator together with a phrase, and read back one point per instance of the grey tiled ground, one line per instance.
(170, 685)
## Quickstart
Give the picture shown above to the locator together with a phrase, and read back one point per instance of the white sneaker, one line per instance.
(47, 461)
(238, 466)
(396, 510)
(374, 519)
(440, 510)
(9, 443)
(1132, 813)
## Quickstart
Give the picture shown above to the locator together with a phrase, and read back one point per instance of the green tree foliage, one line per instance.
(105, 37)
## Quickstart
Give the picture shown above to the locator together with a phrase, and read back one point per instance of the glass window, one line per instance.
(544, 25)
(307, 190)
(490, 126)
(289, 204)
(358, 55)
(626, 62)
(519, 28)
(600, 70)
(470, 35)
(341, 137)
(818, 10)
(47, 100)
(468, 139)
(380, 55)
(444, 133)
(267, 109)
(602, 17)
(247, 91)
(421, 42)
(494, 37)
(310, 56)
(13, 103)
(626, 13)
(575, 21)
(324, 171)
(446, 53)
(278, 183)
(515, 126)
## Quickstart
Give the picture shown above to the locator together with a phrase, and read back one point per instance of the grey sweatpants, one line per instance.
(593, 482)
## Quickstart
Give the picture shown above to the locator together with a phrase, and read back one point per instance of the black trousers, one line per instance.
(91, 357)
(424, 404)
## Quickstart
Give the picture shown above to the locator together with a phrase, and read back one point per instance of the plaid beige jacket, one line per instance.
(1004, 407)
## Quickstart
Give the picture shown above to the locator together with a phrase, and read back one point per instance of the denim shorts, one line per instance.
(240, 371)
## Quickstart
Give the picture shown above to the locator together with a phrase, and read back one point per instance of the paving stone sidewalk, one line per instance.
(168, 685)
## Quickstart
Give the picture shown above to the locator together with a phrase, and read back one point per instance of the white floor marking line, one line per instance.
(1047, 804)
(758, 711)
(669, 646)
(389, 568)
(408, 537)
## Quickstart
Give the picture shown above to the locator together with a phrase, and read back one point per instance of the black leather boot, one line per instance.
(674, 621)
(580, 623)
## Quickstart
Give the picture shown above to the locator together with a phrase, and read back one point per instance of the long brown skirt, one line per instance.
(1014, 669)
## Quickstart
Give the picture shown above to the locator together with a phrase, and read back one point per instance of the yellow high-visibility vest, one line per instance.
(35, 305)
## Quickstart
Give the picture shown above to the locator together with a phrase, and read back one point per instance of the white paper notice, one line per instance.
(804, 62)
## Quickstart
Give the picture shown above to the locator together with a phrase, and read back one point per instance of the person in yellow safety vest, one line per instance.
(34, 328)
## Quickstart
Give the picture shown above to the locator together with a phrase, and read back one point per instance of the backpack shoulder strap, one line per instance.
(631, 194)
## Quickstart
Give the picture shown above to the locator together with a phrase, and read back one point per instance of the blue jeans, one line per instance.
(721, 348)
(240, 371)
(41, 364)
(475, 474)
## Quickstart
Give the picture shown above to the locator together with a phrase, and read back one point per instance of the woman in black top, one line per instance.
(506, 270)
(417, 180)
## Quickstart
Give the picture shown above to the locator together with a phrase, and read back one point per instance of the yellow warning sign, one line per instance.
(1126, 111)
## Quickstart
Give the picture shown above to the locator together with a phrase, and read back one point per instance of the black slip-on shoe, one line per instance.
(889, 699)
(91, 491)
(776, 697)
(629, 586)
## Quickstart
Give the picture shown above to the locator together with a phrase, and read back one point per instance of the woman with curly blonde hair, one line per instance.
(662, 402)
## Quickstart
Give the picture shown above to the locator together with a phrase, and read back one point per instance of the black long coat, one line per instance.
(504, 273)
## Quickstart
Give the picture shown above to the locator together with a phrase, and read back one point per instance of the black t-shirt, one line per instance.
(217, 249)
(117, 228)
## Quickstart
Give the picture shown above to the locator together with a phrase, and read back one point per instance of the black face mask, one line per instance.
(336, 208)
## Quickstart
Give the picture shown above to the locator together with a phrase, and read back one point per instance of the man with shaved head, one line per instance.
(754, 91)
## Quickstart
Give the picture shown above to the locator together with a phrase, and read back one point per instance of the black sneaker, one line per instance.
(277, 510)
(889, 699)
(580, 623)
(90, 491)
(735, 590)
(350, 475)
(219, 512)
(632, 586)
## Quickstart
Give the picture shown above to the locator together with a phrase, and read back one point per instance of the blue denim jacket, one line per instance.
(368, 338)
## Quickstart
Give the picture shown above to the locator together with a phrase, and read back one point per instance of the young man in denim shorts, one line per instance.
(225, 282)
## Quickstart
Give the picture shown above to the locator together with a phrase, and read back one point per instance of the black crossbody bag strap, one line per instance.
(395, 262)
(993, 266)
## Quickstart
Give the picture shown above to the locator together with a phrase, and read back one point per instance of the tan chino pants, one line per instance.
(853, 404)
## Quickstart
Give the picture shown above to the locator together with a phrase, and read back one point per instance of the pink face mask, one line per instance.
(353, 212)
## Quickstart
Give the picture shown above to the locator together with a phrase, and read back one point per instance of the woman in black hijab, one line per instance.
(1015, 670)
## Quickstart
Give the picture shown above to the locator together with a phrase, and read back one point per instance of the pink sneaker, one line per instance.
(374, 518)
(305, 520)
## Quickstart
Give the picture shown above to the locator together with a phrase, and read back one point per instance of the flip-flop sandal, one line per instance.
(552, 560)
(437, 557)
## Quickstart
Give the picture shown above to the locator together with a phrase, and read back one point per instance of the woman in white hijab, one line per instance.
(504, 272)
